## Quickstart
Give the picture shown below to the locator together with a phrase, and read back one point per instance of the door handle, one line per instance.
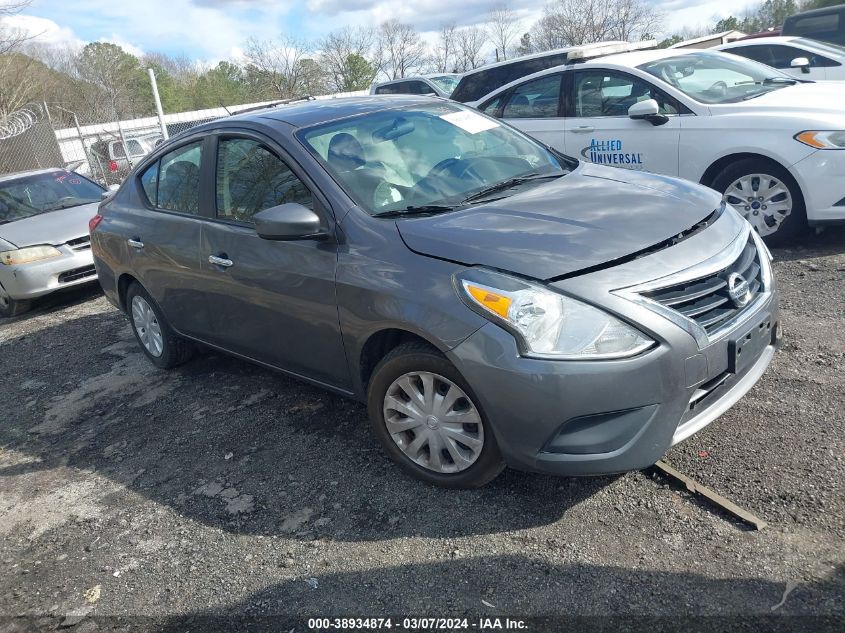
(220, 261)
(583, 129)
(135, 243)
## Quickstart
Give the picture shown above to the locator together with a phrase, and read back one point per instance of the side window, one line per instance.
(135, 148)
(761, 53)
(611, 94)
(492, 106)
(250, 178)
(419, 88)
(537, 99)
(149, 182)
(815, 25)
(117, 149)
(179, 179)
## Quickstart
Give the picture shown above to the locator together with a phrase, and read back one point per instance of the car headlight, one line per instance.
(830, 139)
(28, 254)
(548, 324)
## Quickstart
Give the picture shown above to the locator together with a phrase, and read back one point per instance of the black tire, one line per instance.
(175, 350)
(795, 224)
(12, 307)
(417, 356)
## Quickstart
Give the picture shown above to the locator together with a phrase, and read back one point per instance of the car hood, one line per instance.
(54, 227)
(588, 218)
(821, 98)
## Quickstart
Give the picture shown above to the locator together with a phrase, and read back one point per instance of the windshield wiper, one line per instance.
(418, 210)
(507, 184)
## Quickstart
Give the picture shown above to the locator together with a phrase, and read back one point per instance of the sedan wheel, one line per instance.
(763, 199)
(147, 327)
(433, 422)
(11, 307)
(429, 420)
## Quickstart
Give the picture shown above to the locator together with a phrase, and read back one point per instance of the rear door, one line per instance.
(598, 128)
(162, 235)
(272, 301)
(536, 108)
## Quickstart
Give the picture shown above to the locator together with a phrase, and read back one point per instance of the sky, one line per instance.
(211, 30)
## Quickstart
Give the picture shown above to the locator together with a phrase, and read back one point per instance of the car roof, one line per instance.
(635, 58)
(415, 77)
(32, 172)
(762, 41)
(308, 113)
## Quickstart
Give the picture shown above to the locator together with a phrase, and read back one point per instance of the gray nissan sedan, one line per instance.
(493, 302)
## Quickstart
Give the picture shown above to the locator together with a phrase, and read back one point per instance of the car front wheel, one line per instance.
(158, 341)
(767, 195)
(429, 421)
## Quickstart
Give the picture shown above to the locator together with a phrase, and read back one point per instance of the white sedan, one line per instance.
(774, 146)
(798, 56)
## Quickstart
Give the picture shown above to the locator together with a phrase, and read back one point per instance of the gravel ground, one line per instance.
(221, 488)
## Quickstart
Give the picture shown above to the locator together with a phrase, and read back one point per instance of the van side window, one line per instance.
(251, 178)
(179, 179)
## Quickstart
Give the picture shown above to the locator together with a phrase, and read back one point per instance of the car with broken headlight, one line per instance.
(493, 302)
(44, 242)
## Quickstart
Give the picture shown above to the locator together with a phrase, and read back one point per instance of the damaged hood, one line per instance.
(590, 217)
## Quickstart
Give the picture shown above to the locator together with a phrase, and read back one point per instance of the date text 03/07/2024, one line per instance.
(419, 624)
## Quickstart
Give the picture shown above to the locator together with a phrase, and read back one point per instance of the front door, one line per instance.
(598, 128)
(272, 301)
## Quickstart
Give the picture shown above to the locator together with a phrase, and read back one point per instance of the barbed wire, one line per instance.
(19, 121)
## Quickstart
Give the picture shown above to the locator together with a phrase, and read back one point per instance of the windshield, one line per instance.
(825, 47)
(446, 83)
(711, 77)
(32, 195)
(436, 154)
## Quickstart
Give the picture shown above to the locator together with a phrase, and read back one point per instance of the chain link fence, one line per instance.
(47, 135)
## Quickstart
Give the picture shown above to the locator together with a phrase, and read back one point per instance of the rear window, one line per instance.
(476, 85)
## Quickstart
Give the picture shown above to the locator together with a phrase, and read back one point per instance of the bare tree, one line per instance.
(444, 50)
(576, 22)
(502, 29)
(469, 41)
(350, 58)
(10, 37)
(280, 64)
(402, 48)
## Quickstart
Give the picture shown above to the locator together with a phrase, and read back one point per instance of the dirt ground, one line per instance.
(138, 499)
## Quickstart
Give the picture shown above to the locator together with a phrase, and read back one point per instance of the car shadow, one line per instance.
(58, 301)
(831, 241)
(557, 596)
(238, 447)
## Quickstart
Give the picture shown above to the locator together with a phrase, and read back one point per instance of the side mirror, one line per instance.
(647, 110)
(801, 62)
(290, 221)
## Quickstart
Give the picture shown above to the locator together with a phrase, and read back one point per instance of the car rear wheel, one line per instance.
(767, 195)
(157, 339)
(12, 307)
(429, 421)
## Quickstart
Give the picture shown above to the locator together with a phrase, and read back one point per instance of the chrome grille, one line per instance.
(80, 243)
(706, 300)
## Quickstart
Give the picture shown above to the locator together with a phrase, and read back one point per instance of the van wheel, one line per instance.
(12, 307)
(767, 196)
(158, 341)
(429, 421)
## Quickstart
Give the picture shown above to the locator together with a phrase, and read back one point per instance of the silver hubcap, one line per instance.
(433, 422)
(764, 201)
(146, 325)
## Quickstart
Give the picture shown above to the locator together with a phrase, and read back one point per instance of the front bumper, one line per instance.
(821, 177)
(599, 417)
(28, 281)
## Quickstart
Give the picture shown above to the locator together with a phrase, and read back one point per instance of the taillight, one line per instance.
(94, 222)
(112, 166)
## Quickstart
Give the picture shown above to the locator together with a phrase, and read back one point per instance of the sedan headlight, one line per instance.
(548, 324)
(28, 254)
(830, 139)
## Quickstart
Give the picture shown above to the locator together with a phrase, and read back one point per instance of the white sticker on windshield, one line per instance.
(469, 121)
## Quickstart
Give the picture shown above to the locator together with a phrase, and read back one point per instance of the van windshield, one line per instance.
(446, 83)
(710, 77)
(422, 157)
